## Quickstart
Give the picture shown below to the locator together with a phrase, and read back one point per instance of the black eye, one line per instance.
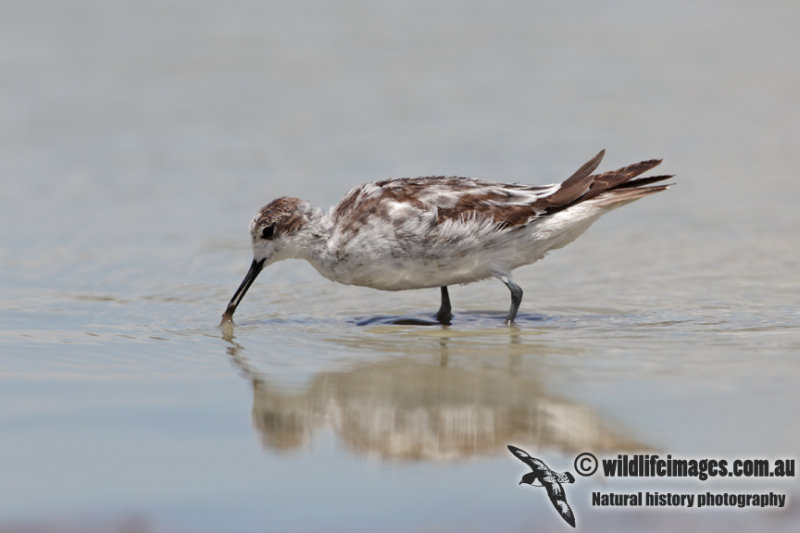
(268, 232)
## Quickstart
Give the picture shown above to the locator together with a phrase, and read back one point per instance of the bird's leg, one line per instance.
(444, 315)
(516, 299)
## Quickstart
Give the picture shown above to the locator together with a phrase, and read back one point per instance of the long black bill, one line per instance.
(250, 277)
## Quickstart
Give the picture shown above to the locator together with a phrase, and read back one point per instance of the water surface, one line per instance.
(138, 140)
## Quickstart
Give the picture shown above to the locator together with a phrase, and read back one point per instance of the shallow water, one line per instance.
(138, 141)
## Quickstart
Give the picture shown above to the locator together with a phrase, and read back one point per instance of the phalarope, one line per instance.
(415, 233)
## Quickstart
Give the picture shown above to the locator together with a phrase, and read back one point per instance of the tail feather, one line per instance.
(616, 178)
(620, 196)
(576, 185)
(609, 188)
(644, 181)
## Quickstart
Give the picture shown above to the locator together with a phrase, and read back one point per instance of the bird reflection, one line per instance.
(407, 409)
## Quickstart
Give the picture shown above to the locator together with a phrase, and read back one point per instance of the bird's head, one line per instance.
(273, 232)
(528, 479)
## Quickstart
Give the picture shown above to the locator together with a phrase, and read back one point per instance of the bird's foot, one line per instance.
(444, 318)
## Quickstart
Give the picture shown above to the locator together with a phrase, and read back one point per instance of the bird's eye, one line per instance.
(268, 232)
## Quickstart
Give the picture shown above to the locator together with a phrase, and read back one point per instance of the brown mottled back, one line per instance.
(508, 205)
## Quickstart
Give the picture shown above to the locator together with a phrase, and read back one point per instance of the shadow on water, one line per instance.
(431, 408)
(473, 319)
(572, 318)
(468, 318)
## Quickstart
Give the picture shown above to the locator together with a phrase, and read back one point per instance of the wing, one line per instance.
(435, 200)
(556, 493)
(537, 465)
(616, 186)
(438, 199)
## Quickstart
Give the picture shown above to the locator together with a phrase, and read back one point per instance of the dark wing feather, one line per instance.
(536, 465)
(617, 185)
(576, 185)
(556, 493)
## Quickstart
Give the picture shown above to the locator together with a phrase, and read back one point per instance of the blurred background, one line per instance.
(137, 140)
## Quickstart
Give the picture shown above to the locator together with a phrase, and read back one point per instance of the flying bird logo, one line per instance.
(548, 479)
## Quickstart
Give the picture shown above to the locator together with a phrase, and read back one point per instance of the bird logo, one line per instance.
(548, 479)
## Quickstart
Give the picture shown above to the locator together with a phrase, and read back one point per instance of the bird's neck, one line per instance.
(311, 239)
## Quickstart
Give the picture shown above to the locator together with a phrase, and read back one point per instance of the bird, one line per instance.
(436, 231)
(548, 479)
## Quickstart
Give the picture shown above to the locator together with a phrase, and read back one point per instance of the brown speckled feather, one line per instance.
(509, 205)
